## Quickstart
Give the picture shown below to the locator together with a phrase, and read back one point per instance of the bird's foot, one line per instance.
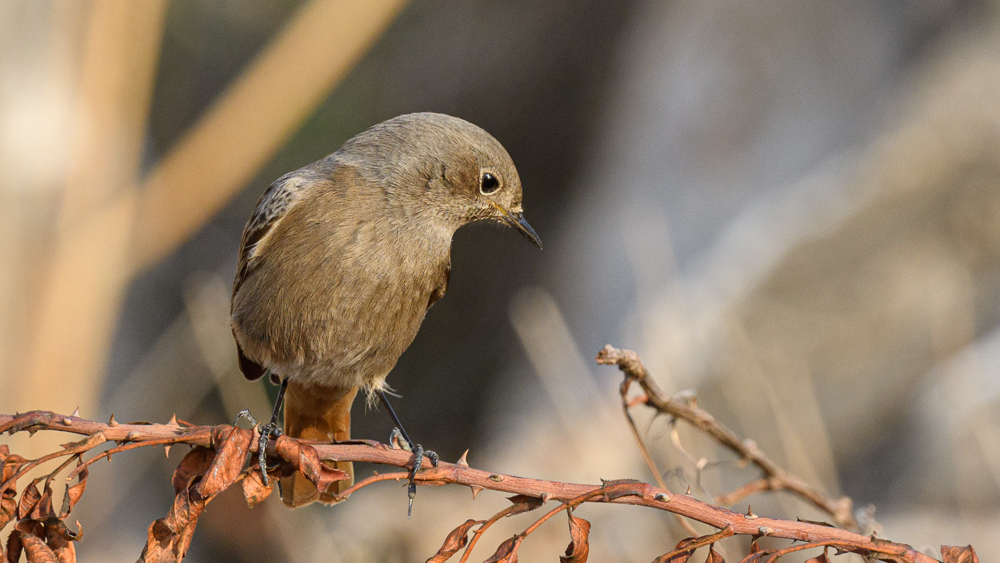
(419, 453)
(268, 431)
(397, 440)
(246, 415)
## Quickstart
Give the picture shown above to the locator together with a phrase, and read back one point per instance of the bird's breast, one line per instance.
(354, 309)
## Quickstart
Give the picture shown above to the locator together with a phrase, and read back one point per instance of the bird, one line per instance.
(341, 260)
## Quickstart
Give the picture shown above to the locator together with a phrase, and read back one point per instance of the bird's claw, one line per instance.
(397, 441)
(419, 453)
(268, 431)
(246, 415)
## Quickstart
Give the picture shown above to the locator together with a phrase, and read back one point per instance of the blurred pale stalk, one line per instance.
(585, 410)
(87, 270)
(37, 54)
(248, 124)
(110, 231)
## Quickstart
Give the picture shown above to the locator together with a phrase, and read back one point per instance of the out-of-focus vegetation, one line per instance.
(792, 209)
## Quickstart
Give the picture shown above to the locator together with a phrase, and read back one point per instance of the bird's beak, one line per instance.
(518, 221)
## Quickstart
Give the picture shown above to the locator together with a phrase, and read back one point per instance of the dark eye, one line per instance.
(488, 184)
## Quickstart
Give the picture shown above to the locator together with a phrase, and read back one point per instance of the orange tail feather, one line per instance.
(317, 413)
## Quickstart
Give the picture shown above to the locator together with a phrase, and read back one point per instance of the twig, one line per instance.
(445, 473)
(774, 478)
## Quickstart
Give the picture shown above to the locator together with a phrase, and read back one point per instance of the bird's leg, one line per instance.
(417, 449)
(270, 429)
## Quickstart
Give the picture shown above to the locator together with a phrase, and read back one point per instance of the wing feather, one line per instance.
(273, 205)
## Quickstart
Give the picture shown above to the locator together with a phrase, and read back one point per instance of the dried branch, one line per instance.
(217, 461)
(773, 478)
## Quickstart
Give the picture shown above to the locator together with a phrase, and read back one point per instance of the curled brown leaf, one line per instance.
(714, 556)
(36, 551)
(675, 556)
(455, 541)
(61, 541)
(755, 556)
(307, 461)
(73, 493)
(29, 498)
(523, 503)
(43, 508)
(195, 462)
(959, 554)
(168, 538)
(507, 551)
(254, 489)
(228, 462)
(578, 549)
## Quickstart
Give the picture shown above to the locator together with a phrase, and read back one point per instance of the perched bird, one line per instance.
(342, 258)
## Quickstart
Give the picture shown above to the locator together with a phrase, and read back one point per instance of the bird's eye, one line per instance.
(488, 184)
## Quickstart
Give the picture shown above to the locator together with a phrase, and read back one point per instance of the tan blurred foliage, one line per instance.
(846, 320)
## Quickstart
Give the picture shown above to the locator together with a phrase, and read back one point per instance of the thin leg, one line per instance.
(417, 449)
(395, 420)
(270, 429)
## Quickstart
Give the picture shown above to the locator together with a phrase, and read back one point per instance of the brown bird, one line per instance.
(342, 258)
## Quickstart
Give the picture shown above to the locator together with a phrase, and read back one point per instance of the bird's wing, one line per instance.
(272, 207)
(438, 292)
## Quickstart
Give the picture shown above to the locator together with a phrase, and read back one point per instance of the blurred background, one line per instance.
(790, 208)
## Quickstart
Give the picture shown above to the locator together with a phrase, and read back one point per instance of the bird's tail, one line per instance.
(315, 412)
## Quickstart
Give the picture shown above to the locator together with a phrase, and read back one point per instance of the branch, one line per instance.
(773, 478)
(218, 461)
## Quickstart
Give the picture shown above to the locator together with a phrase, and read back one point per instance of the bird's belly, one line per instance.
(354, 340)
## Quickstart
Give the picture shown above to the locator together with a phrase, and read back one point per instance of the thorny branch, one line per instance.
(218, 455)
(773, 478)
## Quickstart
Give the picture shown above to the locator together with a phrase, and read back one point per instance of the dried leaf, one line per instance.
(14, 547)
(455, 541)
(683, 551)
(11, 465)
(29, 498)
(579, 546)
(254, 489)
(328, 475)
(821, 558)
(8, 507)
(36, 551)
(675, 556)
(228, 462)
(74, 493)
(755, 556)
(623, 488)
(958, 554)
(507, 551)
(308, 463)
(168, 539)
(715, 557)
(43, 508)
(196, 462)
(60, 540)
(524, 503)
(31, 527)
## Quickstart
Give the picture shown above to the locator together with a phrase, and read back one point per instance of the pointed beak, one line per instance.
(518, 221)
